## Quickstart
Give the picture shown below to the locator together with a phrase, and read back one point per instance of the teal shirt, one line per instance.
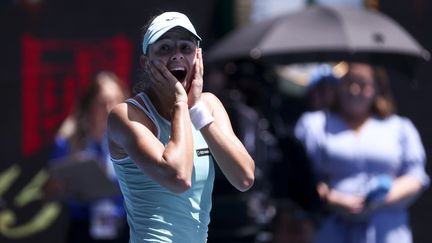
(154, 213)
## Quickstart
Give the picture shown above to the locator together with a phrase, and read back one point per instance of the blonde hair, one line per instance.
(76, 128)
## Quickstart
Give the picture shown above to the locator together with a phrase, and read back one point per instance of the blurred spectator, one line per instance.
(282, 168)
(368, 160)
(321, 88)
(242, 91)
(83, 136)
(233, 218)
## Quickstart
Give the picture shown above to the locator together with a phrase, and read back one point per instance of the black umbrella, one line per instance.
(323, 34)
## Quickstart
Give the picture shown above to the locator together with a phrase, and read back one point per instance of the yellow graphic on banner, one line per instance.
(41, 220)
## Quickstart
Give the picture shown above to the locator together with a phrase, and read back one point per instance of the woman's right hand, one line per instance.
(165, 83)
(345, 203)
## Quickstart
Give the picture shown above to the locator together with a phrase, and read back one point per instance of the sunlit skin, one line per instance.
(175, 53)
(175, 68)
(176, 50)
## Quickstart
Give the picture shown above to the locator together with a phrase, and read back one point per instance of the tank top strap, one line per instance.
(144, 106)
(151, 107)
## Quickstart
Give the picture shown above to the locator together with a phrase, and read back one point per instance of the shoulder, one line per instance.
(125, 121)
(127, 113)
(124, 110)
(313, 118)
(209, 97)
(401, 122)
(118, 112)
(406, 124)
(310, 124)
(211, 100)
(401, 125)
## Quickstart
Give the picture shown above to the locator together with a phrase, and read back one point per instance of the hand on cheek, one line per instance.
(169, 84)
(195, 90)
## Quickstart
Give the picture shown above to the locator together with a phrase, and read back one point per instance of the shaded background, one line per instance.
(49, 49)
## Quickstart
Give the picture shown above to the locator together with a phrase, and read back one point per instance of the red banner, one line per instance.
(54, 71)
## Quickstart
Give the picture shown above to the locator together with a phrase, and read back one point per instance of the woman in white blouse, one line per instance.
(369, 161)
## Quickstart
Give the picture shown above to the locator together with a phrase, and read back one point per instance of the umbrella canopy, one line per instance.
(322, 34)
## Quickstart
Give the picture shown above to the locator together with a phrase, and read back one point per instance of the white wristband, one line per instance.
(200, 115)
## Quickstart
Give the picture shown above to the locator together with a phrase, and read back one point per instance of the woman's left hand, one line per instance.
(194, 94)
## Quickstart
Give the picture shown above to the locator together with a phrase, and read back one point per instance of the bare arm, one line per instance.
(134, 133)
(230, 154)
(170, 165)
(403, 188)
(413, 178)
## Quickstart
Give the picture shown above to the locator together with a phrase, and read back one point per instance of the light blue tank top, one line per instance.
(154, 213)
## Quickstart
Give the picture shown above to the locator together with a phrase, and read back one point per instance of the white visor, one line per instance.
(164, 22)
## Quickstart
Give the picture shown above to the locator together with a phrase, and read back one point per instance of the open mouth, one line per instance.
(179, 74)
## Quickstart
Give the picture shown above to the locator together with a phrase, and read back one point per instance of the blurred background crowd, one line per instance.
(66, 63)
